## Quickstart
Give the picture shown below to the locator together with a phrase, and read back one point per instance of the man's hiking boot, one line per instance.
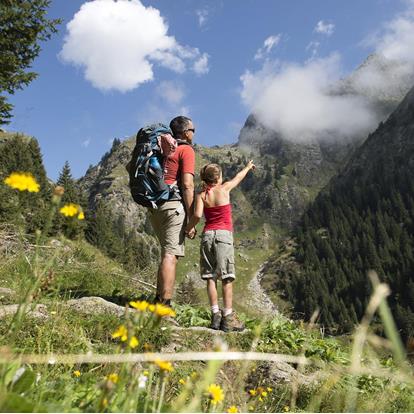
(231, 323)
(215, 320)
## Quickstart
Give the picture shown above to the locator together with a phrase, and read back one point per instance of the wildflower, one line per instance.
(269, 389)
(22, 182)
(133, 343)
(77, 373)
(194, 375)
(70, 210)
(164, 365)
(140, 305)
(264, 394)
(162, 310)
(286, 408)
(216, 393)
(260, 399)
(181, 381)
(151, 308)
(232, 409)
(252, 392)
(121, 332)
(146, 373)
(105, 402)
(113, 377)
(81, 216)
(142, 381)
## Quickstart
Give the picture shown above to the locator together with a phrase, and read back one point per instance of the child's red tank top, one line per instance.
(218, 218)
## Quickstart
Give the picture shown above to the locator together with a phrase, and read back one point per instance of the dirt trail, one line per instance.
(258, 298)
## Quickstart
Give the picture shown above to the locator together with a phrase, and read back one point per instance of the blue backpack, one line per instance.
(146, 174)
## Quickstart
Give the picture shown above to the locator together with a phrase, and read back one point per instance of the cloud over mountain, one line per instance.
(117, 44)
(309, 100)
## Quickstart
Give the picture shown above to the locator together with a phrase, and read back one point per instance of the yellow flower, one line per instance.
(162, 310)
(252, 392)
(269, 389)
(121, 332)
(81, 216)
(260, 399)
(146, 373)
(70, 210)
(133, 343)
(76, 373)
(164, 365)
(232, 409)
(216, 393)
(105, 402)
(113, 378)
(181, 381)
(151, 308)
(286, 408)
(264, 394)
(140, 305)
(22, 182)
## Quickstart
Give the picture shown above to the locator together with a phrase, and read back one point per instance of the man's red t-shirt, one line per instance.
(179, 163)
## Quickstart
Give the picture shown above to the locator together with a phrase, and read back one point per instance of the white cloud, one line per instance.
(295, 100)
(268, 45)
(324, 28)
(86, 143)
(200, 66)
(202, 15)
(313, 47)
(170, 92)
(117, 43)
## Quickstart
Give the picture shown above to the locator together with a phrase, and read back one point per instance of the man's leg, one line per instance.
(212, 292)
(166, 277)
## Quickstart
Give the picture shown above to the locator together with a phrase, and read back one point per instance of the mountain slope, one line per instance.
(363, 220)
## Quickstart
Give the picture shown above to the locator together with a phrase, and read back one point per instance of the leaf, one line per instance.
(16, 403)
(24, 382)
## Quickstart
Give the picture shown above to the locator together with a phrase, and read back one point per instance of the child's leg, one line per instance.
(212, 294)
(227, 286)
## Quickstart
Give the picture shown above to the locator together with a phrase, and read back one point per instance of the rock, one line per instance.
(38, 312)
(94, 305)
(7, 295)
(276, 373)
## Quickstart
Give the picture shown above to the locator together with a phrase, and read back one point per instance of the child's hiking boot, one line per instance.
(215, 320)
(231, 323)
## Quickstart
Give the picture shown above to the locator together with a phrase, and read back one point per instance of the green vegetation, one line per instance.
(362, 221)
(23, 25)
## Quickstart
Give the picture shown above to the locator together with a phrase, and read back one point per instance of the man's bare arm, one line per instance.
(187, 190)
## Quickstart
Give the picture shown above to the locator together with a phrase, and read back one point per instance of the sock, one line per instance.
(215, 308)
(227, 312)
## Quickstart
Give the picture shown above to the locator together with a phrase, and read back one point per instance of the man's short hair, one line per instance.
(179, 124)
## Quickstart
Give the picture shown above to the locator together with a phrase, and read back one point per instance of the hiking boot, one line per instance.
(215, 320)
(231, 323)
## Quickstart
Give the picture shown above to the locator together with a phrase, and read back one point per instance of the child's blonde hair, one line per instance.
(210, 173)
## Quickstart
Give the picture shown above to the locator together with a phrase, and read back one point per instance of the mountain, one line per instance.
(363, 220)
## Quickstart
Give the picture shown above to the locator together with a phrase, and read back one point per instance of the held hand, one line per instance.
(191, 233)
(250, 165)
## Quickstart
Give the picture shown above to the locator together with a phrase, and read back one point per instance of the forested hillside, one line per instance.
(363, 220)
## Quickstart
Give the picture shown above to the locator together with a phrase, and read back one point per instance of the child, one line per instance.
(216, 250)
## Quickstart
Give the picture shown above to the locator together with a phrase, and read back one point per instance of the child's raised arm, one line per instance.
(234, 182)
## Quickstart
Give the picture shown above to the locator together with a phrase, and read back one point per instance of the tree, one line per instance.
(23, 24)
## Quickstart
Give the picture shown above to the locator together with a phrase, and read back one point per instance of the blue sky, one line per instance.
(112, 71)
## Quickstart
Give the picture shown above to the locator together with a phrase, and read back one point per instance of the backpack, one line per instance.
(146, 173)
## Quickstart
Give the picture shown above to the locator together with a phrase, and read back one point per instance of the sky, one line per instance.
(115, 66)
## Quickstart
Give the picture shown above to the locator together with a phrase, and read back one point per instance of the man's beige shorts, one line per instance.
(168, 222)
(217, 255)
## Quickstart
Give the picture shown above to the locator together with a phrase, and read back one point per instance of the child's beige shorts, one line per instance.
(168, 223)
(217, 255)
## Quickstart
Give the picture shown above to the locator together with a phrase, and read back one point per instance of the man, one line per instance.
(170, 219)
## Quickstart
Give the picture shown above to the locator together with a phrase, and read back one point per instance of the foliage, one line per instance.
(23, 25)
